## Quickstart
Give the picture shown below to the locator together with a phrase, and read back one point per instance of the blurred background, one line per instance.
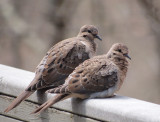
(28, 28)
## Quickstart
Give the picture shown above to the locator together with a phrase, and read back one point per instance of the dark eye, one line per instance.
(89, 31)
(84, 35)
(119, 50)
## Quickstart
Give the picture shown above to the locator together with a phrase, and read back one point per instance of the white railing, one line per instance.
(117, 109)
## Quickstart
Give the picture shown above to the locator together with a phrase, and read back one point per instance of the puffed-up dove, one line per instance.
(98, 77)
(60, 61)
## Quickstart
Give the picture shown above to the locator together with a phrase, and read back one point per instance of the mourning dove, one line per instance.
(98, 77)
(60, 61)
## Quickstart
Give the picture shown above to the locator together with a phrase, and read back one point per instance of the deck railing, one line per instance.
(116, 109)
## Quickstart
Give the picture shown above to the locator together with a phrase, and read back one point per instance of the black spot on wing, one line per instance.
(52, 62)
(74, 81)
(29, 89)
(50, 70)
(85, 79)
(77, 75)
(39, 84)
(60, 66)
(59, 60)
(85, 56)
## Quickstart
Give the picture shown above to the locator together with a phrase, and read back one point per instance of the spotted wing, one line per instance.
(94, 75)
(58, 63)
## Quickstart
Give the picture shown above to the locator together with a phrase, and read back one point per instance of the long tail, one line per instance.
(18, 100)
(50, 102)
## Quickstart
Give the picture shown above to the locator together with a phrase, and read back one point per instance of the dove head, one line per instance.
(119, 55)
(119, 50)
(89, 32)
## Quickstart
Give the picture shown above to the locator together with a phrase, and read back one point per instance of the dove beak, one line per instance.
(126, 55)
(96, 36)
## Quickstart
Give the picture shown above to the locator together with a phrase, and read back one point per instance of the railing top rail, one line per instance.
(118, 108)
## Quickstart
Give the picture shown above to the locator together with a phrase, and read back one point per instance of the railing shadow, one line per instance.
(42, 97)
(77, 108)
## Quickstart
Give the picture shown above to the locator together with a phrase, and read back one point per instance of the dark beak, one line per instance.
(126, 55)
(96, 36)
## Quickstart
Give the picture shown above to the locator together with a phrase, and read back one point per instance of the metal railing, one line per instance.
(117, 109)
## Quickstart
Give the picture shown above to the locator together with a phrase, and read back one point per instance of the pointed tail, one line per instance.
(50, 102)
(18, 100)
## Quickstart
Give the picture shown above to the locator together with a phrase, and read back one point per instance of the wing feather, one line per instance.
(58, 63)
(94, 75)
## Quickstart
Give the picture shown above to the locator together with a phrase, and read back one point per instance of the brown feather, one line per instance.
(50, 102)
(18, 100)
(95, 75)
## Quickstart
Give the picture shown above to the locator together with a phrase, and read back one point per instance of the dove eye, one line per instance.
(89, 31)
(119, 50)
(84, 35)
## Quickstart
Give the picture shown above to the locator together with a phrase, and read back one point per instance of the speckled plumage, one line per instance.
(60, 61)
(98, 77)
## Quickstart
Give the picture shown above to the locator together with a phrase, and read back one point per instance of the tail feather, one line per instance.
(18, 100)
(50, 102)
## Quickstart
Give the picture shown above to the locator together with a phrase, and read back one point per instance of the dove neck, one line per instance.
(122, 63)
(92, 44)
(89, 41)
